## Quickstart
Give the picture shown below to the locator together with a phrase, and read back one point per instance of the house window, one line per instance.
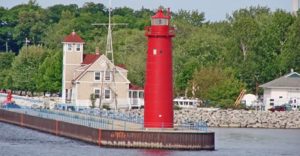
(141, 95)
(78, 47)
(129, 94)
(134, 94)
(97, 76)
(271, 102)
(107, 93)
(107, 75)
(280, 97)
(69, 47)
(97, 93)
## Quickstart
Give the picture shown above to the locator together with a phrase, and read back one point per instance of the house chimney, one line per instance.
(295, 7)
(292, 70)
(97, 51)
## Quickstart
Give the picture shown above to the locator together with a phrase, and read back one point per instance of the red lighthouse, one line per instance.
(159, 81)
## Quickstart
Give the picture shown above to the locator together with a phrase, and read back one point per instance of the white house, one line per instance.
(85, 75)
(284, 90)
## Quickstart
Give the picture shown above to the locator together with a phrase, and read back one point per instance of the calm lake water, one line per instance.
(15, 141)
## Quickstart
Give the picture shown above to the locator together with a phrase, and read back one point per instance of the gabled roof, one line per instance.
(90, 58)
(291, 80)
(73, 37)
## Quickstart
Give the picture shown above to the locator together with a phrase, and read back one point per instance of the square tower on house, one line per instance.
(72, 58)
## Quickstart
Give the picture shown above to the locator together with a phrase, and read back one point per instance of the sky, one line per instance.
(215, 10)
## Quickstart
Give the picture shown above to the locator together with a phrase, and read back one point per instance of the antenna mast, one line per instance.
(109, 48)
(109, 52)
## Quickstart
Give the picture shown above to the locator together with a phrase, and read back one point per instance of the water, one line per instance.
(16, 141)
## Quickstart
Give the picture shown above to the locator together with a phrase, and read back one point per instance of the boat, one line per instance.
(184, 102)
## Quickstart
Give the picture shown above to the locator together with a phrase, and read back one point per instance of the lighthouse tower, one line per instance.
(159, 81)
(72, 58)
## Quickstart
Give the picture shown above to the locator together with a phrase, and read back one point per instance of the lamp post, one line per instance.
(256, 88)
(26, 61)
(7, 40)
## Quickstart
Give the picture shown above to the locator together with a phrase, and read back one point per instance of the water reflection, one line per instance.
(156, 152)
(15, 141)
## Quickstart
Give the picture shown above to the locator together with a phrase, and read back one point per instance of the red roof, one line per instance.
(160, 14)
(73, 37)
(90, 58)
(135, 87)
(121, 66)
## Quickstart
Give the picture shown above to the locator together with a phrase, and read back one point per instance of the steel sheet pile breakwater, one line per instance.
(164, 139)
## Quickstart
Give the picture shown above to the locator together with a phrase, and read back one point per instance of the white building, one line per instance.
(284, 90)
(85, 75)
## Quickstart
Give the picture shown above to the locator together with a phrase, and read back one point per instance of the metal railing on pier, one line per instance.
(84, 120)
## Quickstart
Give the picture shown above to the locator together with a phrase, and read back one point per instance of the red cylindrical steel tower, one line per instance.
(159, 82)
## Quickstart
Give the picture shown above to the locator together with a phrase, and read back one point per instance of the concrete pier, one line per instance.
(158, 139)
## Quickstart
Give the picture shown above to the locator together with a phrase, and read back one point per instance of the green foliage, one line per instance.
(211, 60)
(49, 79)
(106, 106)
(6, 60)
(25, 67)
(217, 85)
(93, 100)
(195, 18)
(176, 107)
(225, 93)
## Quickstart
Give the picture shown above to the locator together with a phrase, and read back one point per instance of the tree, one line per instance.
(192, 51)
(195, 18)
(25, 68)
(31, 23)
(217, 85)
(129, 49)
(57, 32)
(6, 60)
(49, 77)
(290, 56)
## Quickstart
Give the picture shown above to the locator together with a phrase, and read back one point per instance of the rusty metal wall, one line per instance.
(115, 138)
(84, 133)
(158, 139)
(42, 124)
(13, 118)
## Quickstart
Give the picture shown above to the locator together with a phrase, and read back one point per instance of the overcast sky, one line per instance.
(214, 9)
